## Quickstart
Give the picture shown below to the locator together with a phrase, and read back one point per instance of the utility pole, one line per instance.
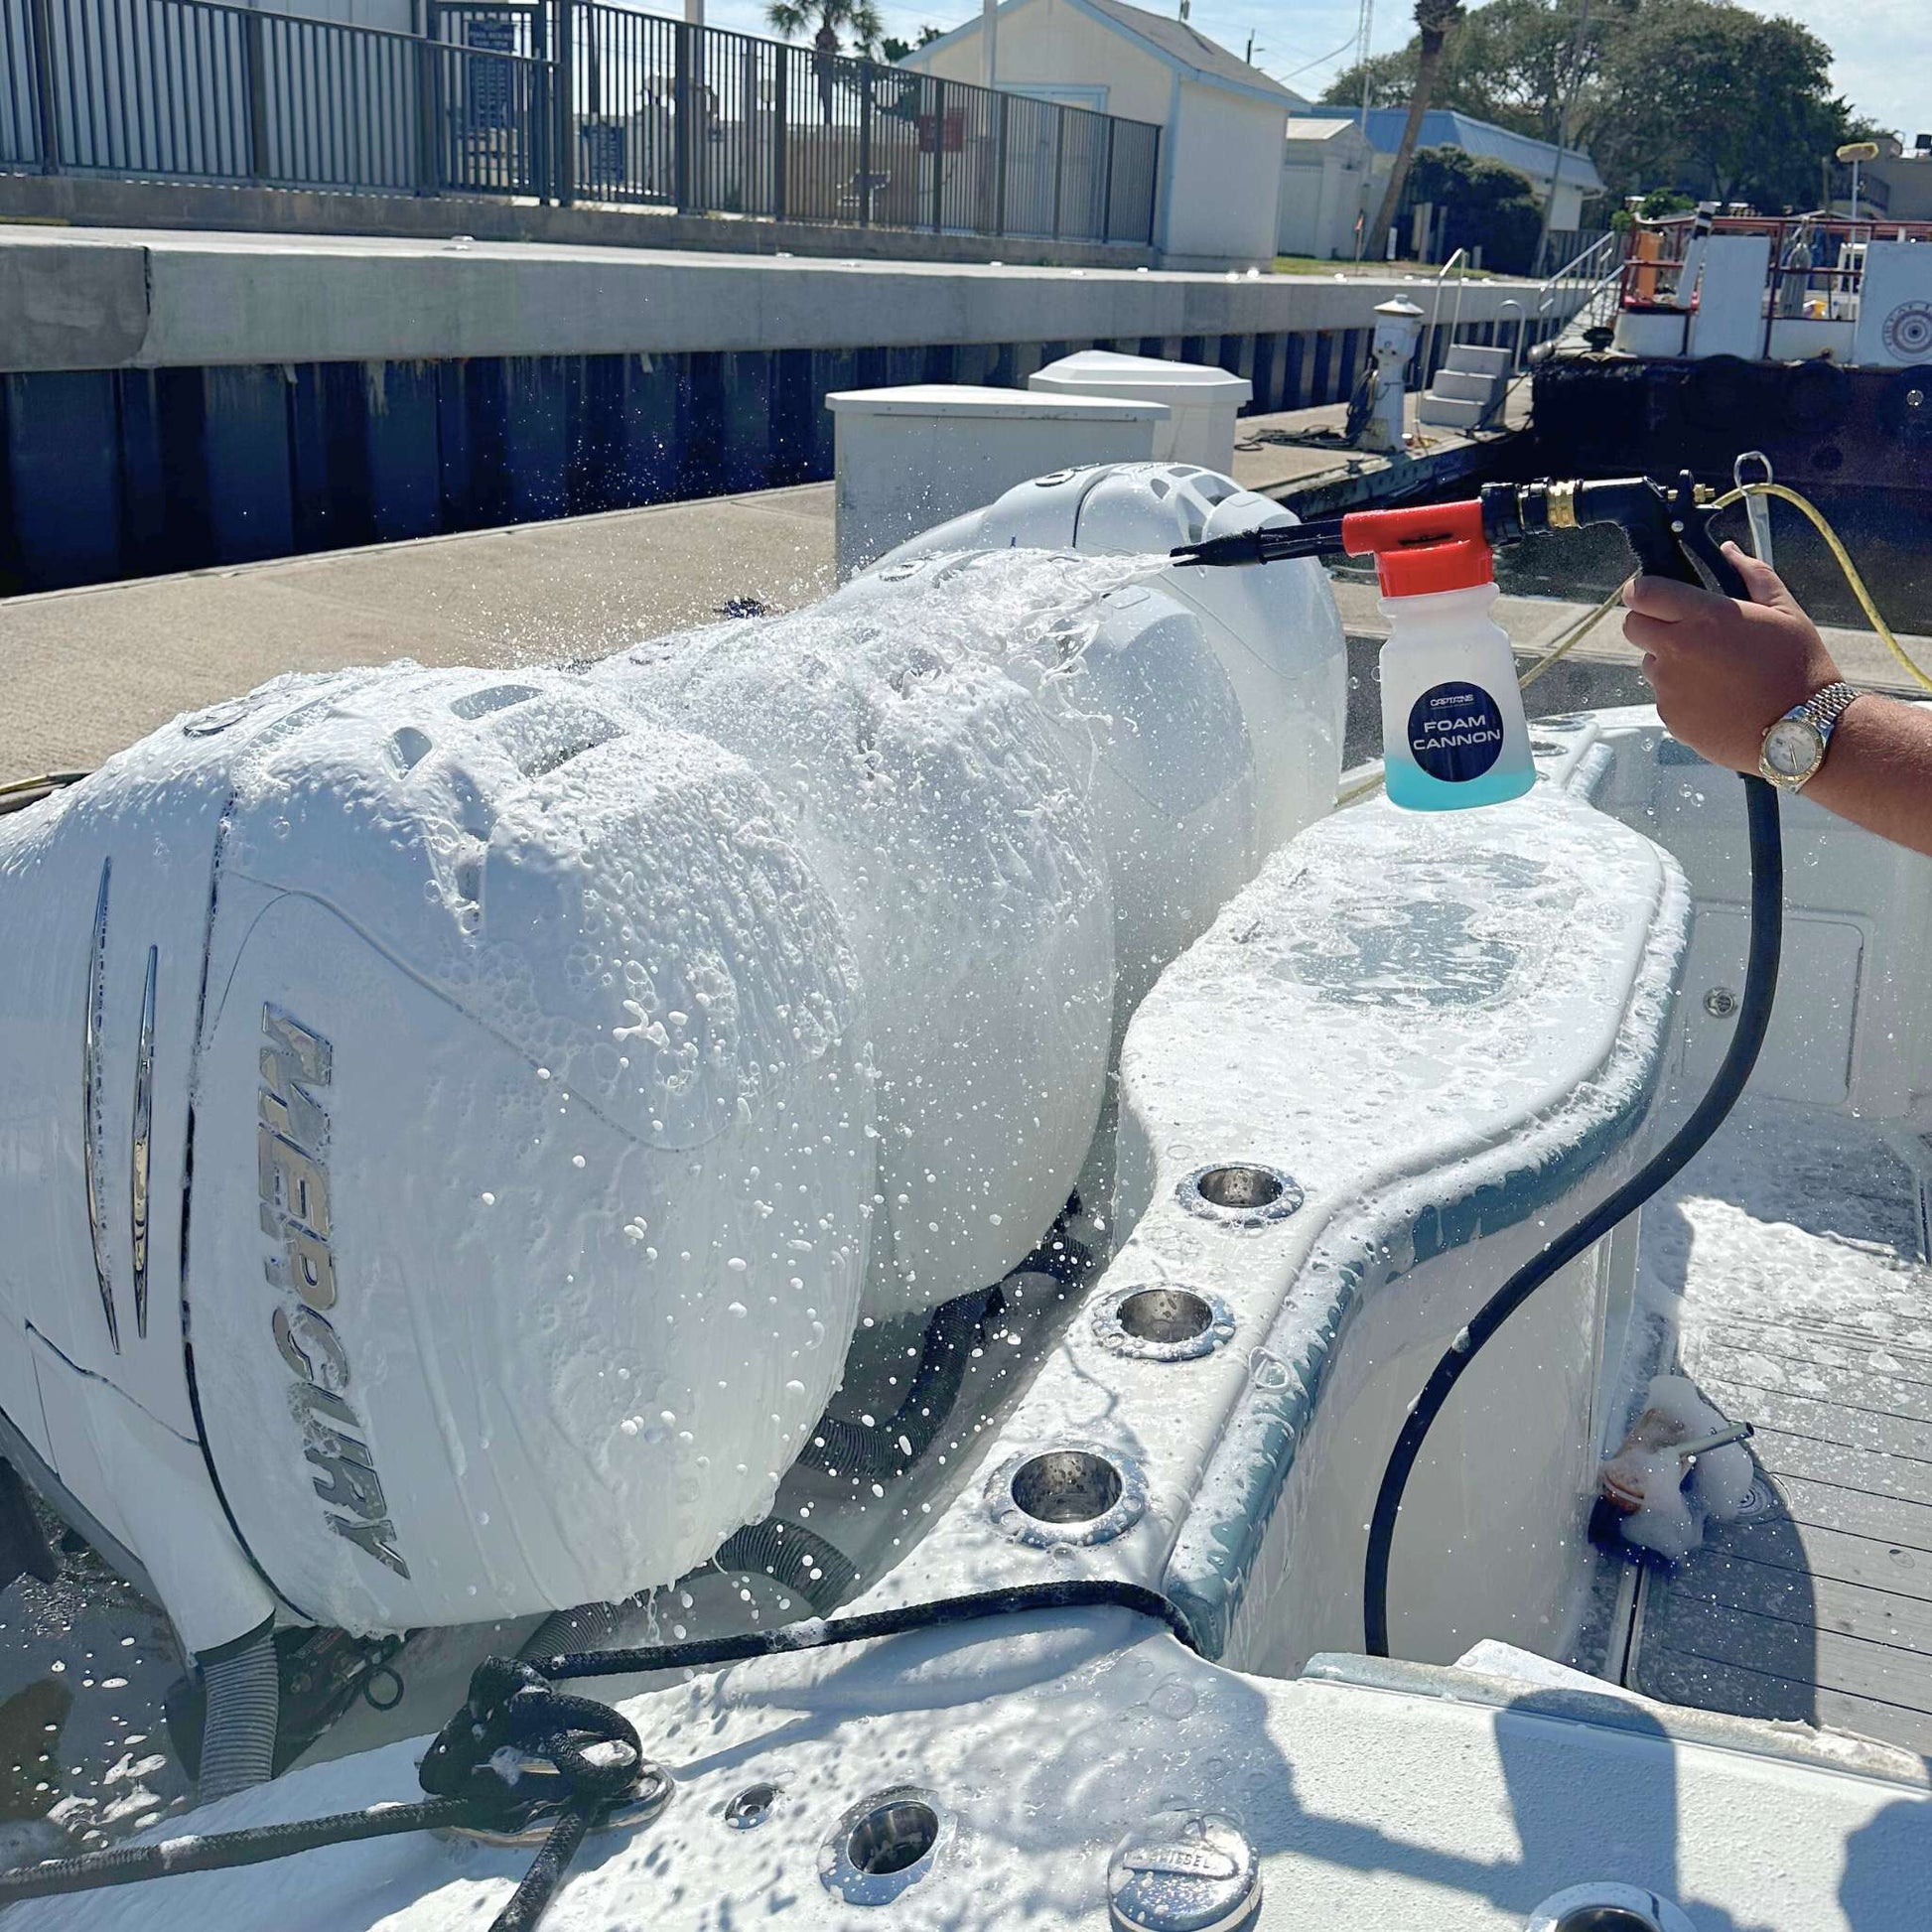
(990, 33)
(1562, 134)
(1365, 27)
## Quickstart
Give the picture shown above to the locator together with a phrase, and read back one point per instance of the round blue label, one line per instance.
(1455, 732)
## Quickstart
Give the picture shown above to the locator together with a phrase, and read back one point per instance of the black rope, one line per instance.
(125, 1864)
(595, 1751)
(1754, 1016)
(701, 1653)
(532, 1896)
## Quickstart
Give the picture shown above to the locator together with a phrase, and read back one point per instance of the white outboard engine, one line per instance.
(433, 1147)
(1275, 628)
(453, 1122)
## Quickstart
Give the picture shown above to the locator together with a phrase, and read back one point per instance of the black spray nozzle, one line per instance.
(1276, 544)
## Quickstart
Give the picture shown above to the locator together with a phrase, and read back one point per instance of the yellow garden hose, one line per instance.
(1822, 524)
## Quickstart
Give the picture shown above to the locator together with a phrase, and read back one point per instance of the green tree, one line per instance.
(1489, 205)
(1436, 19)
(1691, 94)
(1513, 61)
(1391, 80)
(1703, 97)
(894, 49)
(826, 20)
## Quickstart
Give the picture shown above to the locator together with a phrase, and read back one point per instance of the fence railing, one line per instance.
(1584, 288)
(1562, 246)
(560, 100)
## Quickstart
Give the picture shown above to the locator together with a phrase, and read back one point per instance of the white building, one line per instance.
(1221, 122)
(1335, 168)
(1325, 167)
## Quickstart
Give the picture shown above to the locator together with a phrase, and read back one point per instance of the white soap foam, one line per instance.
(941, 813)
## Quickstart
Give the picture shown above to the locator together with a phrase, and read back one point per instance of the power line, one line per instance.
(1351, 40)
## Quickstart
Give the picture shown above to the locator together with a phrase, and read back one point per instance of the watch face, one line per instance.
(1794, 748)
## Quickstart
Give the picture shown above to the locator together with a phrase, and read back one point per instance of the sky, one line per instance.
(1884, 47)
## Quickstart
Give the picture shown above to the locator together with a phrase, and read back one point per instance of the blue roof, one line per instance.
(1443, 127)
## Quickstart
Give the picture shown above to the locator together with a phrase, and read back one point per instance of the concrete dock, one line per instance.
(98, 299)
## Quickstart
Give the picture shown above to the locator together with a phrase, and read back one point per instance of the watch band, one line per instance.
(1825, 708)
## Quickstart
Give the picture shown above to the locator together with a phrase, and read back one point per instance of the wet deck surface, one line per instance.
(1808, 1313)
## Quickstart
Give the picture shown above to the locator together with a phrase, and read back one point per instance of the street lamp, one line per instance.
(1854, 152)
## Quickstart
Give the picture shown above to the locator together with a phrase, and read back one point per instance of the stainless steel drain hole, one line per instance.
(1605, 1908)
(1066, 1486)
(1072, 1494)
(1239, 1187)
(1242, 1193)
(751, 1807)
(895, 1837)
(1165, 1314)
(1163, 1323)
(883, 1844)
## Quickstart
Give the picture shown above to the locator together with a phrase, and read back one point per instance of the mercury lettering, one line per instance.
(291, 1151)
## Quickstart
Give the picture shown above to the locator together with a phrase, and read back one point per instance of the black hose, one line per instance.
(1754, 1015)
(841, 1448)
(795, 1558)
(243, 1692)
(587, 1623)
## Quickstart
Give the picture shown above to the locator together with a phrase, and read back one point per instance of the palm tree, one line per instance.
(1433, 21)
(860, 17)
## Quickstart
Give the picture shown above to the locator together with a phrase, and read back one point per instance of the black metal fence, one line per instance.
(558, 100)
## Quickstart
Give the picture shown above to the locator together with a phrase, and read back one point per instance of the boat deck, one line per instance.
(1798, 1242)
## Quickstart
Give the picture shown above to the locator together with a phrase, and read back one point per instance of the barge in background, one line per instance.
(1806, 337)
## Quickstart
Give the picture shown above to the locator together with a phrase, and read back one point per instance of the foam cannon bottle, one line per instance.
(1453, 726)
(1453, 723)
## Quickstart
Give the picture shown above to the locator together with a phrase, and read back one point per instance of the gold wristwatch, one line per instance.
(1795, 746)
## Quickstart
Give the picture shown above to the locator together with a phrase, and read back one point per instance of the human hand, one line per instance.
(1723, 671)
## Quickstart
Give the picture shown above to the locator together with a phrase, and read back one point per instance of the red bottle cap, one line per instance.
(1427, 567)
(1432, 547)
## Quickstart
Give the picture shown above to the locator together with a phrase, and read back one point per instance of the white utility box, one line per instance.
(907, 459)
(1203, 401)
